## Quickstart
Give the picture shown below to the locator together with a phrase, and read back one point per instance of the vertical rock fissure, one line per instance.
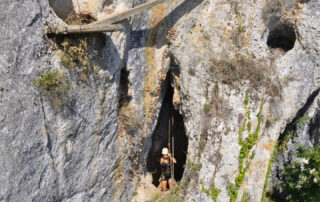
(49, 141)
(161, 133)
(49, 145)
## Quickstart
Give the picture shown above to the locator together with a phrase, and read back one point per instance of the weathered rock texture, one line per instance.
(228, 83)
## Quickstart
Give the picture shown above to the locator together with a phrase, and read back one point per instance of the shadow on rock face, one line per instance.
(63, 8)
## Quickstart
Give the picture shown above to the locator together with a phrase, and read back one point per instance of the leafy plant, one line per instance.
(54, 86)
(303, 177)
(283, 143)
(212, 192)
(246, 146)
(266, 183)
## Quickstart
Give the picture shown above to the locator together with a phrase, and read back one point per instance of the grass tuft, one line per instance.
(54, 86)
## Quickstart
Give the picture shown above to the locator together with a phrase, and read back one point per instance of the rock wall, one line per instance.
(239, 78)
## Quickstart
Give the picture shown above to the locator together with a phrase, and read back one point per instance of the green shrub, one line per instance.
(303, 178)
(54, 86)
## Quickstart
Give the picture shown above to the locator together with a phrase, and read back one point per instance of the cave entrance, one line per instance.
(160, 137)
(282, 36)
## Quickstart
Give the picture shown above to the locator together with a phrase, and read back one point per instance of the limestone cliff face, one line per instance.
(238, 73)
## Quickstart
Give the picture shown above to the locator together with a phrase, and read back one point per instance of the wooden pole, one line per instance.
(116, 17)
(90, 28)
(172, 157)
(169, 134)
(105, 24)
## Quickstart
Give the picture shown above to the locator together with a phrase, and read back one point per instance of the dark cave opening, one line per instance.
(282, 36)
(160, 137)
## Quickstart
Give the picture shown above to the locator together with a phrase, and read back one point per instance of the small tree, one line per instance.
(303, 178)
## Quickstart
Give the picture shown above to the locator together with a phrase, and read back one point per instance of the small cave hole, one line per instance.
(282, 35)
(160, 137)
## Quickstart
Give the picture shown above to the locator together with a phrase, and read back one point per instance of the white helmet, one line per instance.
(165, 151)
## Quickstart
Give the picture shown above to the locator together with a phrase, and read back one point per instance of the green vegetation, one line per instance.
(212, 192)
(246, 146)
(192, 169)
(54, 86)
(282, 145)
(202, 144)
(244, 197)
(266, 183)
(156, 197)
(301, 121)
(303, 178)
(178, 189)
(207, 107)
(193, 166)
(241, 29)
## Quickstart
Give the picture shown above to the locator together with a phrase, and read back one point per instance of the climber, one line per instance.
(165, 169)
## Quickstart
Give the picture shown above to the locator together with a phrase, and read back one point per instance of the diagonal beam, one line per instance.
(105, 24)
(110, 19)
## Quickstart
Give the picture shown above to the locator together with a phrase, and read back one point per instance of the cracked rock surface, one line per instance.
(95, 147)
